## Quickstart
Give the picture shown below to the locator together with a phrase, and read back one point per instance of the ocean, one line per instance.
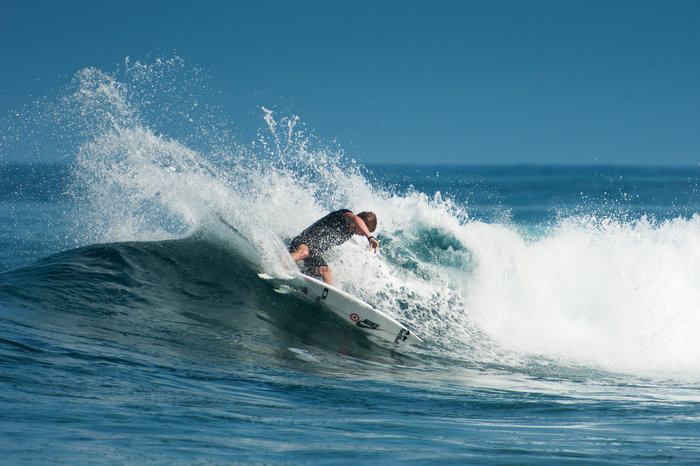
(559, 305)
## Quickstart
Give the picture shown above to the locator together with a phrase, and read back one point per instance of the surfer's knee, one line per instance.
(300, 253)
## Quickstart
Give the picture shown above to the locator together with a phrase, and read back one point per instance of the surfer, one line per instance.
(332, 230)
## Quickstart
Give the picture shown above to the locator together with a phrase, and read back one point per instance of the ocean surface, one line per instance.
(559, 305)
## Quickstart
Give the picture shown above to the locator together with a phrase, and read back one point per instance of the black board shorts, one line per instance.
(312, 262)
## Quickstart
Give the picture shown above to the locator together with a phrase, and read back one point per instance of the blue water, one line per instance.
(559, 306)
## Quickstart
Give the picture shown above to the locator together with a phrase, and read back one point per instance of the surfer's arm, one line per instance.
(359, 227)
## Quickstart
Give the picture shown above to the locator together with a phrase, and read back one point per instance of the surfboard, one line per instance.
(354, 311)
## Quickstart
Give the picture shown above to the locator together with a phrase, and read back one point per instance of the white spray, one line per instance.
(613, 294)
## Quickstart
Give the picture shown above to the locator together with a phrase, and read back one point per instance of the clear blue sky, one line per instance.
(562, 81)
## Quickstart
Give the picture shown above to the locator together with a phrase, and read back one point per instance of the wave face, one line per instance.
(195, 293)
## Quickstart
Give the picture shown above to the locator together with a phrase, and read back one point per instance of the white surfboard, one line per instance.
(355, 311)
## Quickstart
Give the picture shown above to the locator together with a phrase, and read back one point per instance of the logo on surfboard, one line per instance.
(365, 323)
(402, 336)
(368, 324)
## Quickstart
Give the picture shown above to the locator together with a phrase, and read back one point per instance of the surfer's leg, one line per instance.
(326, 275)
(300, 253)
(315, 266)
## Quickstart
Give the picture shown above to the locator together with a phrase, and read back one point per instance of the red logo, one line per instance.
(354, 317)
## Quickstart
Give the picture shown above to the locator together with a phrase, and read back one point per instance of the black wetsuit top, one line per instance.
(331, 230)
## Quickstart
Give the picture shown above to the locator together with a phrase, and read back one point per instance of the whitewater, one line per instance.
(559, 306)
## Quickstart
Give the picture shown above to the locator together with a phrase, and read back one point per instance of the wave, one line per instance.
(481, 295)
(605, 292)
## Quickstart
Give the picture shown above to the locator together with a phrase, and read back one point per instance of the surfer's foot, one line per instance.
(326, 274)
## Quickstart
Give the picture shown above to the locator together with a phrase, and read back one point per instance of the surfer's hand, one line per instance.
(373, 244)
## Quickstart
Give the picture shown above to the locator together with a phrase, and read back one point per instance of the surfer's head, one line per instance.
(370, 220)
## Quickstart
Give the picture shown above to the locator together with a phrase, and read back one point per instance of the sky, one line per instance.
(455, 82)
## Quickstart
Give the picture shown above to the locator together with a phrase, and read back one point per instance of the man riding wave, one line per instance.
(332, 230)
